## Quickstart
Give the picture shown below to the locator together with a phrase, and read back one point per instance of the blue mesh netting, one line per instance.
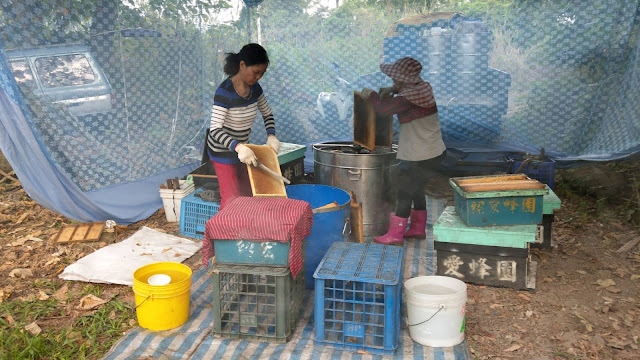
(115, 95)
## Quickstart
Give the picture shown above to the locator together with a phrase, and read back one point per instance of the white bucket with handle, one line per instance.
(436, 310)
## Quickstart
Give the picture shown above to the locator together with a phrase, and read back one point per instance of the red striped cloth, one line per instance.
(261, 219)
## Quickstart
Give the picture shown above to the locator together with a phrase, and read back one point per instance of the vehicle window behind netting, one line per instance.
(23, 74)
(64, 70)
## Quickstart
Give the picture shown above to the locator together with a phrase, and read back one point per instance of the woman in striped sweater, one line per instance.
(235, 106)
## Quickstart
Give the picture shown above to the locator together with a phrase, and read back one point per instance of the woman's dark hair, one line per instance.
(251, 54)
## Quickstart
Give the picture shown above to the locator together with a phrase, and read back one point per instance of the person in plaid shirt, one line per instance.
(420, 146)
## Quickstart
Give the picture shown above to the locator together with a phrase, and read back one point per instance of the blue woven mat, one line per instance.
(194, 340)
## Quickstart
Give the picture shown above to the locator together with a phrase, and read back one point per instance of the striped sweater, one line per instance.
(231, 119)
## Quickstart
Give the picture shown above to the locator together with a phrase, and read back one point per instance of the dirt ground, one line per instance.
(586, 303)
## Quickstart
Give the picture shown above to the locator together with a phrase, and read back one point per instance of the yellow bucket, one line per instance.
(162, 307)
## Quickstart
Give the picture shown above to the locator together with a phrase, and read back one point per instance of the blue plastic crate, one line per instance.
(194, 214)
(542, 171)
(358, 296)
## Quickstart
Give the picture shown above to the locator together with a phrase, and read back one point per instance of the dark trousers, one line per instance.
(412, 179)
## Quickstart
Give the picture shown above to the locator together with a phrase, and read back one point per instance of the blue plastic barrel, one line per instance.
(328, 224)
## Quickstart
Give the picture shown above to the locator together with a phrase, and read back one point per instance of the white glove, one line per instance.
(366, 92)
(272, 141)
(246, 155)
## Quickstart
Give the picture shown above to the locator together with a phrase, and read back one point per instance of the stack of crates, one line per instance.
(358, 293)
(485, 238)
(255, 296)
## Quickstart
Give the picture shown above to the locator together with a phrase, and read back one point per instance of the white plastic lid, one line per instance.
(159, 279)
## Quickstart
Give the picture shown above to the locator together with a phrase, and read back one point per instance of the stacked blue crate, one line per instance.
(358, 295)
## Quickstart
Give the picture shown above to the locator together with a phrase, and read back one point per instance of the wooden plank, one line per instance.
(85, 232)
(503, 185)
(95, 232)
(330, 205)
(364, 122)
(357, 230)
(66, 233)
(81, 232)
(264, 184)
(492, 179)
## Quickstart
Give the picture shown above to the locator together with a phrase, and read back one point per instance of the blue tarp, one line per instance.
(519, 77)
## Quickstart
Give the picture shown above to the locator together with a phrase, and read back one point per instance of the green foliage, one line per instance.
(89, 336)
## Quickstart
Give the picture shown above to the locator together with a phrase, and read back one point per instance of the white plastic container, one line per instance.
(172, 200)
(436, 308)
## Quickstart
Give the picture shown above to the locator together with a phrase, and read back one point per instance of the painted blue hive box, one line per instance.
(248, 252)
(499, 206)
(451, 229)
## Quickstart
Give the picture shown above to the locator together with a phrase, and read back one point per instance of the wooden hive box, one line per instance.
(264, 184)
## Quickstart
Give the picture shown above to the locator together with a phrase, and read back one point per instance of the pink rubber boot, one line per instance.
(418, 225)
(395, 235)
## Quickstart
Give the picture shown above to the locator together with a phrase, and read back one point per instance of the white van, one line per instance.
(64, 74)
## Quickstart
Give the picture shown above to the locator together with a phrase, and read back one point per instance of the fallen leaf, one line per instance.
(581, 272)
(613, 289)
(74, 335)
(635, 277)
(89, 302)
(584, 321)
(605, 283)
(61, 294)
(42, 296)
(524, 297)
(547, 280)
(146, 254)
(176, 254)
(18, 242)
(33, 328)
(21, 273)
(528, 313)
(512, 348)
(9, 319)
(167, 249)
(24, 216)
(618, 344)
(112, 315)
(2, 295)
(132, 322)
(53, 261)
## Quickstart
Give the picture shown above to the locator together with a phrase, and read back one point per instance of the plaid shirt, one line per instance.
(405, 109)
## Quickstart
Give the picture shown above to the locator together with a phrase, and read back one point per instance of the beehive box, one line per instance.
(256, 302)
(486, 265)
(498, 200)
(358, 293)
(450, 228)
(550, 203)
(291, 159)
(248, 252)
